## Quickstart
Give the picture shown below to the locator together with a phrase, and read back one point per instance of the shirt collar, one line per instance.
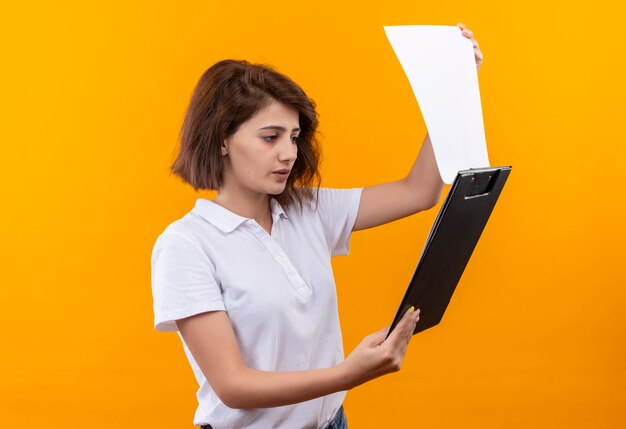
(226, 220)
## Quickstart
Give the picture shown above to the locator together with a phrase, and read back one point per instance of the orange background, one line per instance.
(92, 97)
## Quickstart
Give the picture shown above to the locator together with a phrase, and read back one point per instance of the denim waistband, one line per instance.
(339, 422)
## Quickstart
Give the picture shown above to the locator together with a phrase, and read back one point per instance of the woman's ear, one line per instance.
(224, 147)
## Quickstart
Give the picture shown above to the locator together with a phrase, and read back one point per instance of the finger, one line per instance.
(467, 33)
(403, 331)
(461, 25)
(377, 337)
(478, 56)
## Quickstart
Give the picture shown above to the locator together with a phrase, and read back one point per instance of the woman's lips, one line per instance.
(281, 176)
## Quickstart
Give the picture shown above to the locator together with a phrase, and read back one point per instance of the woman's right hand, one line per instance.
(375, 356)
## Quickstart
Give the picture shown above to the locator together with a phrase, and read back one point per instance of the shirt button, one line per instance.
(281, 256)
(292, 272)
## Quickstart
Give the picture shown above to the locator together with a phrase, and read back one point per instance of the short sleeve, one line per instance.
(183, 281)
(337, 209)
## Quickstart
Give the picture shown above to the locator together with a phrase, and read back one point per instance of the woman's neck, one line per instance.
(253, 206)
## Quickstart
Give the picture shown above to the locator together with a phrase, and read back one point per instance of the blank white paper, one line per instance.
(439, 63)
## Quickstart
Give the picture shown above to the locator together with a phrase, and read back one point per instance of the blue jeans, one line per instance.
(339, 422)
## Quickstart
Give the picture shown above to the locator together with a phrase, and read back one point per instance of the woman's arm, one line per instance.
(211, 341)
(419, 190)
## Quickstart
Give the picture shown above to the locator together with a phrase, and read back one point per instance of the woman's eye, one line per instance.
(272, 138)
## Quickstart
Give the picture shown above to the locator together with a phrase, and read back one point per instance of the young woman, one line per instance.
(246, 280)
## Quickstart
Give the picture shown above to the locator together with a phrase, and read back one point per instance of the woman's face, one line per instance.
(263, 145)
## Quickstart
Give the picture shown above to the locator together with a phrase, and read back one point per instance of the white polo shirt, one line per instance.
(278, 291)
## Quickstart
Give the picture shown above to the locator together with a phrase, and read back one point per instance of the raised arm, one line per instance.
(419, 190)
(212, 342)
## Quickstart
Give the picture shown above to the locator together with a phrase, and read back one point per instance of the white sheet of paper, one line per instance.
(439, 62)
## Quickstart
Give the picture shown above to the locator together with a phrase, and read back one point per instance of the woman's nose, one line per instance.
(288, 150)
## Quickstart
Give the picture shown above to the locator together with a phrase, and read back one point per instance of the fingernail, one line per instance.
(411, 310)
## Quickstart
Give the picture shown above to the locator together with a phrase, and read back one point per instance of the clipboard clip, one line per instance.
(481, 183)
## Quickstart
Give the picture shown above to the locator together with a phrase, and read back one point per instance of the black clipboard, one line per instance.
(450, 244)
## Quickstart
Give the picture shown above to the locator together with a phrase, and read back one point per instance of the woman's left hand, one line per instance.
(478, 56)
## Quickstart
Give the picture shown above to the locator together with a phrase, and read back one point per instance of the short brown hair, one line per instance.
(227, 95)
